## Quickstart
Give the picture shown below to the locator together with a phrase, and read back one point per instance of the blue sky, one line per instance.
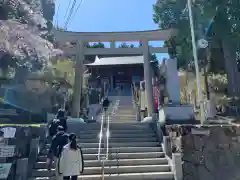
(108, 16)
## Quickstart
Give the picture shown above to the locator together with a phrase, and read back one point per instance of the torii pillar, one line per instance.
(148, 77)
(77, 89)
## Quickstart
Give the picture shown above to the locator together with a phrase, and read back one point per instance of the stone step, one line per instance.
(117, 140)
(123, 176)
(120, 140)
(117, 162)
(120, 120)
(132, 126)
(126, 110)
(112, 156)
(123, 131)
(112, 135)
(109, 170)
(120, 116)
(134, 153)
(125, 144)
(120, 144)
(120, 150)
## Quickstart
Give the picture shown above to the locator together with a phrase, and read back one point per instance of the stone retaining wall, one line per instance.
(208, 153)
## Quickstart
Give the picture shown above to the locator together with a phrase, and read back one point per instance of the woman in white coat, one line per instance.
(71, 160)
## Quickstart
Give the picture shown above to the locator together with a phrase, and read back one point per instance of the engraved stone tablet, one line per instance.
(7, 151)
(4, 170)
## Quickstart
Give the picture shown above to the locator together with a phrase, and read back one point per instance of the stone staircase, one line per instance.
(124, 112)
(134, 154)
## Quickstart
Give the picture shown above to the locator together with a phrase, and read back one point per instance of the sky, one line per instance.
(109, 16)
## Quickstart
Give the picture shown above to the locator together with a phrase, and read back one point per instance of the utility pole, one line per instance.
(194, 48)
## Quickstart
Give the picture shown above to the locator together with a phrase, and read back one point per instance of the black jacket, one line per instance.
(106, 103)
(63, 123)
(58, 142)
(53, 127)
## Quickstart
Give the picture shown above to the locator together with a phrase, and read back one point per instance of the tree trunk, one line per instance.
(229, 50)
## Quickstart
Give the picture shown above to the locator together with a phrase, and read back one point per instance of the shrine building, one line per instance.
(116, 71)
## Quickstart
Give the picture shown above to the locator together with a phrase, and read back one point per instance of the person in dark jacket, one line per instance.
(105, 104)
(61, 115)
(53, 126)
(58, 142)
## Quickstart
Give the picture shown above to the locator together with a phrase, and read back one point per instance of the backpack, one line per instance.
(53, 127)
(63, 123)
(62, 140)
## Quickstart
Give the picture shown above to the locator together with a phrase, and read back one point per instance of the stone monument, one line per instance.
(174, 111)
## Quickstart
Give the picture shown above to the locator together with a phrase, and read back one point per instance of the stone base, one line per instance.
(208, 152)
(177, 114)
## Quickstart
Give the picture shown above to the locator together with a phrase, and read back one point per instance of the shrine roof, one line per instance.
(116, 61)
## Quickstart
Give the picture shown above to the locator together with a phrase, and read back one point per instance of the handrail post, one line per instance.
(100, 139)
(104, 136)
(107, 136)
(103, 173)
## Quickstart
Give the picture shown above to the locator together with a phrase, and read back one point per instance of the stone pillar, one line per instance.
(78, 79)
(22, 171)
(33, 152)
(173, 81)
(111, 82)
(177, 166)
(112, 44)
(148, 77)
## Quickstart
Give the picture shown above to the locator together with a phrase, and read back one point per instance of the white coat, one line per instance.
(70, 162)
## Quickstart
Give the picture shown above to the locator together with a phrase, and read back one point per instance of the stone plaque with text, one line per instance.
(4, 170)
(7, 151)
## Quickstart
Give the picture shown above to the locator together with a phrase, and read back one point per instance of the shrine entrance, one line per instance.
(79, 50)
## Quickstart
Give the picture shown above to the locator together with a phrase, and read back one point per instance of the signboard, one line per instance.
(9, 132)
(7, 151)
(5, 170)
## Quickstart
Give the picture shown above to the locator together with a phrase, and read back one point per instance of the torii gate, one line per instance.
(81, 38)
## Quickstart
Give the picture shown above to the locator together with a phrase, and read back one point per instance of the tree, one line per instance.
(125, 45)
(174, 15)
(95, 45)
(225, 28)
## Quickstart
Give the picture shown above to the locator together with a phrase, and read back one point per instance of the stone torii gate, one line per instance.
(81, 38)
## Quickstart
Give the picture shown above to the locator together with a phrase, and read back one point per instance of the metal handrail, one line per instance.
(107, 136)
(104, 134)
(100, 138)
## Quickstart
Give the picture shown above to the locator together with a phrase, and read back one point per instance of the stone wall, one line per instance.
(208, 152)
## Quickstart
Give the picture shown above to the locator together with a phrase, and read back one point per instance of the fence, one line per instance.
(19, 150)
